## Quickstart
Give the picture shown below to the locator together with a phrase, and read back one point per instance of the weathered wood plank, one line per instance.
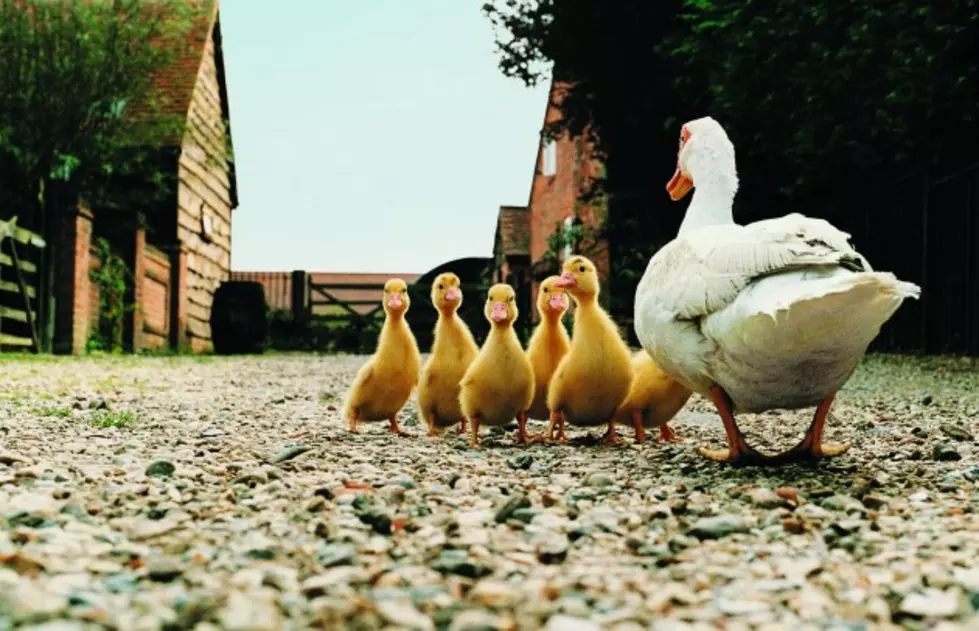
(194, 159)
(13, 314)
(9, 228)
(8, 285)
(191, 169)
(13, 340)
(25, 266)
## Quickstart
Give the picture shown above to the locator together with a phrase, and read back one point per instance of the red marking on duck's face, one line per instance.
(679, 185)
(499, 312)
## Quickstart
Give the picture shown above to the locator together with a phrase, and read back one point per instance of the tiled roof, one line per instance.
(513, 230)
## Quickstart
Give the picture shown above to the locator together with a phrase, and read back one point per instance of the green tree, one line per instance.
(78, 105)
(81, 114)
(822, 99)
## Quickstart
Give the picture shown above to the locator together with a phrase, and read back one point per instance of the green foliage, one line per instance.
(821, 99)
(106, 418)
(77, 101)
(111, 277)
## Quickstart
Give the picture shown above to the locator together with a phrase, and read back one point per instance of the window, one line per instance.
(568, 223)
(550, 158)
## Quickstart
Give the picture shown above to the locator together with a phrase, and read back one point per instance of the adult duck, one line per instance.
(775, 314)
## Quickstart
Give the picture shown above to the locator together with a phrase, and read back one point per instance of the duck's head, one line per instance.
(552, 302)
(396, 300)
(705, 153)
(579, 277)
(446, 292)
(501, 305)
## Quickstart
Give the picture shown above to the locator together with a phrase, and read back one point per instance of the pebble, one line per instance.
(369, 532)
(717, 527)
(945, 453)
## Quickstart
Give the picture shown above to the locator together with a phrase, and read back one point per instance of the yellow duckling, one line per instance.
(594, 377)
(382, 385)
(548, 344)
(453, 350)
(499, 384)
(653, 400)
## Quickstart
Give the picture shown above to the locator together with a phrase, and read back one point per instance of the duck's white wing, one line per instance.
(703, 271)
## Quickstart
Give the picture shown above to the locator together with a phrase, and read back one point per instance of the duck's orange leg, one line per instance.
(393, 425)
(432, 431)
(637, 424)
(462, 425)
(611, 437)
(738, 453)
(811, 446)
(667, 435)
(556, 429)
(522, 437)
(474, 432)
(352, 421)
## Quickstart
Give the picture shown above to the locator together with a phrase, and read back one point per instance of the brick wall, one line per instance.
(554, 196)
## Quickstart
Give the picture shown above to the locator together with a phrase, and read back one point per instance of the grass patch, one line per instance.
(104, 418)
(328, 397)
(53, 411)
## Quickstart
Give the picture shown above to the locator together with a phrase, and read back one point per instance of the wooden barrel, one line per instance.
(239, 318)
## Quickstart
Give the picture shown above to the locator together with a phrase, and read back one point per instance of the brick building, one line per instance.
(564, 170)
(177, 264)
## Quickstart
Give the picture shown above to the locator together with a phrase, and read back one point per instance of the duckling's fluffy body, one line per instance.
(548, 344)
(594, 377)
(653, 400)
(383, 385)
(453, 350)
(499, 384)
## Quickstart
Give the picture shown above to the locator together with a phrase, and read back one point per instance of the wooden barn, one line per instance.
(178, 253)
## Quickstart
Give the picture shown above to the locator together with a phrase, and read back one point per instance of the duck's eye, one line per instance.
(510, 299)
(440, 286)
(582, 269)
(545, 290)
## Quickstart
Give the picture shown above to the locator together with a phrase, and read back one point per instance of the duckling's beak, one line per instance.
(500, 312)
(452, 294)
(556, 302)
(679, 185)
(395, 302)
(566, 280)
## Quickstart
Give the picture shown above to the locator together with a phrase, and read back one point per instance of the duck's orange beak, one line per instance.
(394, 301)
(452, 294)
(556, 302)
(566, 280)
(499, 312)
(679, 185)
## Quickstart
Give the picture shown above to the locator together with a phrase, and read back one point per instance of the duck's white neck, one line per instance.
(713, 201)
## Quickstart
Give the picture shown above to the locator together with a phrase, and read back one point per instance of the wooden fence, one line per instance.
(19, 251)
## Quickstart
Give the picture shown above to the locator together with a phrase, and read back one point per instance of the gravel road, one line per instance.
(224, 493)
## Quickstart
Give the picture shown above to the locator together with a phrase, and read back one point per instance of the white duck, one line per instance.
(774, 314)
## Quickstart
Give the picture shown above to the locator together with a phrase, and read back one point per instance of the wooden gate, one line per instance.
(18, 323)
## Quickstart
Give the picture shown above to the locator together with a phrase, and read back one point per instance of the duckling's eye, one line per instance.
(440, 285)
(581, 269)
(545, 290)
(510, 299)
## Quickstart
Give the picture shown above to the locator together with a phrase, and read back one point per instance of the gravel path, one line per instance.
(208, 493)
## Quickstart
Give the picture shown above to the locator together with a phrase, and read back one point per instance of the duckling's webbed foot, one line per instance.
(522, 437)
(611, 437)
(556, 430)
(637, 425)
(811, 446)
(667, 435)
(393, 426)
